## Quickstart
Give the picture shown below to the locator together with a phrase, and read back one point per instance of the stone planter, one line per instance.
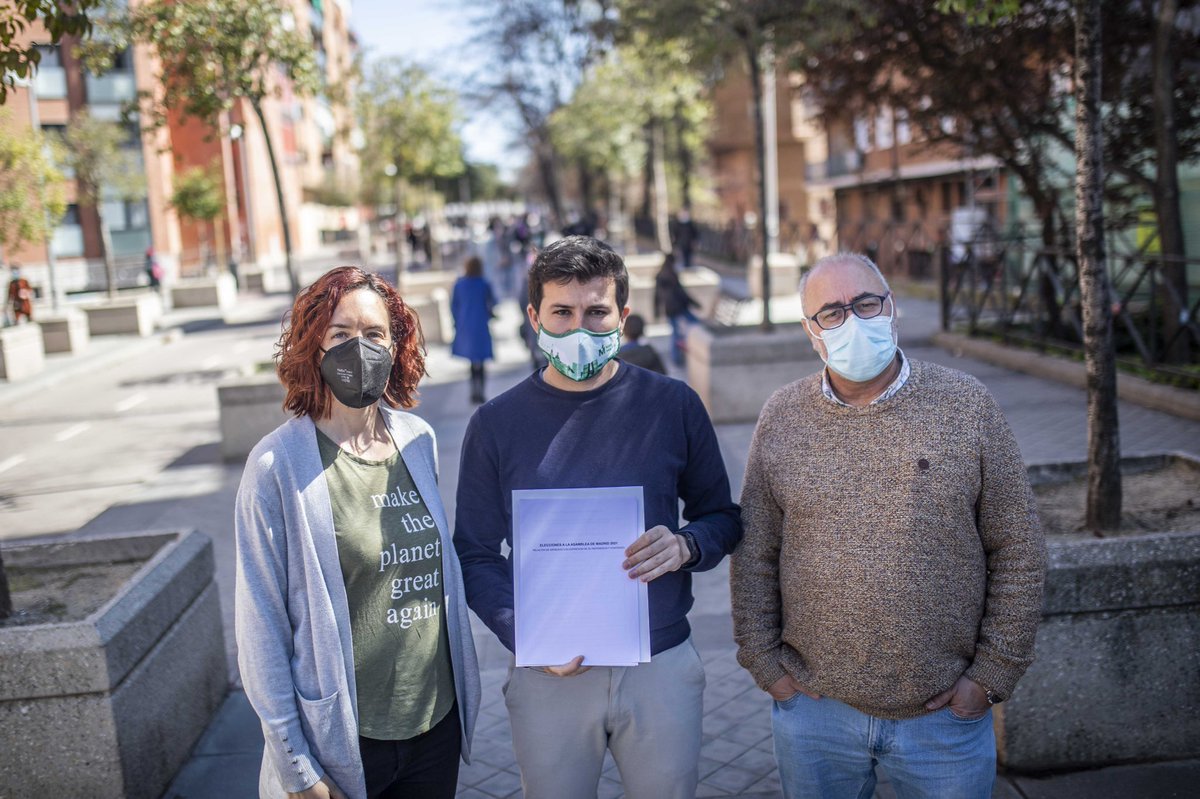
(1116, 674)
(433, 310)
(219, 291)
(644, 265)
(736, 369)
(22, 354)
(416, 285)
(268, 280)
(65, 332)
(250, 408)
(785, 275)
(703, 284)
(112, 705)
(134, 315)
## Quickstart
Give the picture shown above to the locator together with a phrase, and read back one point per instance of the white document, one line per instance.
(572, 596)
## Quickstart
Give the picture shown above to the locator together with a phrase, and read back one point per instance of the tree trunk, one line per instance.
(760, 151)
(586, 189)
(548, 170)
(648, 175)
(1104, 474)
(685, 157)
(1173, 288)
(106, 251)
(662, 213)
(293, 278)
(6, 606)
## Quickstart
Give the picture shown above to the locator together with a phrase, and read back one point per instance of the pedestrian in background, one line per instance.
(672, 299)
(154, 270)
(472, 305)
(20, 296)
(587, 420)
(354, 644)
(889, 585)
(683, 235)
(634, 351)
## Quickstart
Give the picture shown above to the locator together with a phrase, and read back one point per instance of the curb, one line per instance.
(1168, 399)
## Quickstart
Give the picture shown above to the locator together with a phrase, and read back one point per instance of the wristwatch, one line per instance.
(993, 698)
(692, 548)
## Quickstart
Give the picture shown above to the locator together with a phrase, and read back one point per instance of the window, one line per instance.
(51, 55)
(70, 216)
(862, 134)
(883, 129)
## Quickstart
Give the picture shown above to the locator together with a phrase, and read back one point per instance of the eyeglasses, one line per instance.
(868, 306)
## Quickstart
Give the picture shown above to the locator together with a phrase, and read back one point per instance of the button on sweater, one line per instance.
(888, 549)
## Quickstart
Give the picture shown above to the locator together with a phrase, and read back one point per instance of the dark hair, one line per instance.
(578, 258)
(473, 267)
(296, 353)
(668, 264)
(635, 326)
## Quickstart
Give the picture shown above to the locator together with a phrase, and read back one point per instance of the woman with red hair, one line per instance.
(353, 639)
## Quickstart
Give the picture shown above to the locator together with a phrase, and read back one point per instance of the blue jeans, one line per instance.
(679, 328)
(828, 750)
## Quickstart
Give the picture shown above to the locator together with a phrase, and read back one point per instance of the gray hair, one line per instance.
(841, 257)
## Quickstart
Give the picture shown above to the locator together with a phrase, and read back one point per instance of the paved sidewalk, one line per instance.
(737, 759)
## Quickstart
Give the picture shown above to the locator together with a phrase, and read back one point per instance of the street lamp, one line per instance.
(393, 171)
(237, 133)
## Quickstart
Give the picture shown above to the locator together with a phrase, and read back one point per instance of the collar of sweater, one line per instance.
(538, 378)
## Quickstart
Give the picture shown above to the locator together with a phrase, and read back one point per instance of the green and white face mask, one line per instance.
(579, 354)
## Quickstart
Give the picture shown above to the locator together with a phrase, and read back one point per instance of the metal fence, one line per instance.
(1028, 295)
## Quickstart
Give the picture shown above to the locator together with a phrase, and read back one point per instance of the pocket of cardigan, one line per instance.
(319, 718)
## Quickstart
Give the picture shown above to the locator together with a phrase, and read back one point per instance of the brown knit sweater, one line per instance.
(888, 549)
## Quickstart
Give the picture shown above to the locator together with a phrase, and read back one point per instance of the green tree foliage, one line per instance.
(538, 52)
(215, 53)
(18, 61)
(27, 173)
(719, 32)
(106, 159)
(409, 122)
(199, 195)
(639, 85)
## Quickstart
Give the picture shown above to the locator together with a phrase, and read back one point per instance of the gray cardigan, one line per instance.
(291, 616)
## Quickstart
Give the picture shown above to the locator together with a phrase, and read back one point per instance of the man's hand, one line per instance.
(325, 789)
(786, 687)
(568, 669)
(966, 699)
(656, 552)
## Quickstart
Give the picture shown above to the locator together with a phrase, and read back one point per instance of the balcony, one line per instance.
(843, 163)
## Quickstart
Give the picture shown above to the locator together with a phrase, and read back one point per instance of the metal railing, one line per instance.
(1028, 295)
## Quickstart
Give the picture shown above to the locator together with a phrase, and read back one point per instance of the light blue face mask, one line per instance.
(579, 354)
(860, 349)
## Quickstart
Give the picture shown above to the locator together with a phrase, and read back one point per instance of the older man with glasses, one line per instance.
(888, 588)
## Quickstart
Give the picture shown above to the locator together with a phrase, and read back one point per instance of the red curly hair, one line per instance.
(297, 352)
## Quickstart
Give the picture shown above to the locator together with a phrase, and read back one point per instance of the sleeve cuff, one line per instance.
(766, 669)
(992, 677)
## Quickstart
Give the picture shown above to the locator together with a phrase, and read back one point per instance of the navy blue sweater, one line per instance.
(639, 428)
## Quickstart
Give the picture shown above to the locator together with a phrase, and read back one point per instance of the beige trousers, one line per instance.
(648, 715)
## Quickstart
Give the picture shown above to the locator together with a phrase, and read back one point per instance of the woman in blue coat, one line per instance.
(471, 304)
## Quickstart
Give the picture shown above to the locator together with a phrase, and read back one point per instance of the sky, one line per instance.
(436, 34)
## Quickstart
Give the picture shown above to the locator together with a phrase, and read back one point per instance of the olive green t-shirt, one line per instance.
(391, 560)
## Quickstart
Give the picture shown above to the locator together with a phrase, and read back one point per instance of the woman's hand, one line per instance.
(325, 789)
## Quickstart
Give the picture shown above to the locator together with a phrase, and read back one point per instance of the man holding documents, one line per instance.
(571, 441)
